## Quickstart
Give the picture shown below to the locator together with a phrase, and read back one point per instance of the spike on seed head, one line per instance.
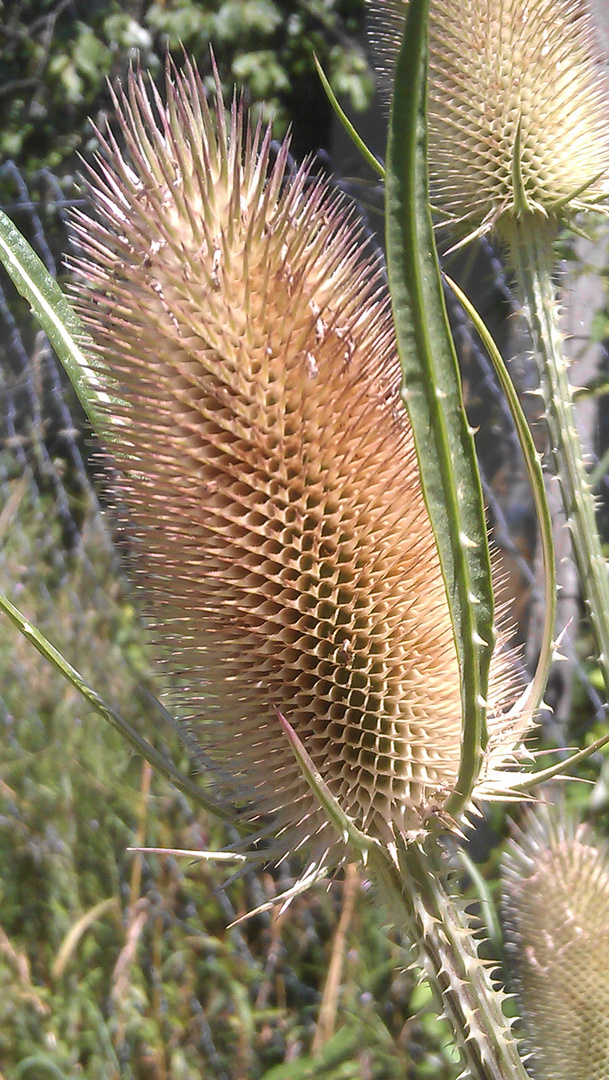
(268, 468)
(556, 920)
(518, 107)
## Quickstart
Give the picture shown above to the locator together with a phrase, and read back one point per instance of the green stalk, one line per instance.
(438, 926)
(530, 240)
(410, 879)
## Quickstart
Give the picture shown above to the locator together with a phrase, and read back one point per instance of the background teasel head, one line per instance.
(518, 107)
(556, 915)
(268, 471)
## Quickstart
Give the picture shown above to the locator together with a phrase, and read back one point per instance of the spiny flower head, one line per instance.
(518, 107)
(268, 470)
(556, 914)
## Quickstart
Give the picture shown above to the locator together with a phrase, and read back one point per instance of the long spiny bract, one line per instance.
(268, 469)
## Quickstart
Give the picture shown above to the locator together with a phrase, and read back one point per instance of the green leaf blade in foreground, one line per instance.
(65, 332)
(432, 394)
(55, 315)
(139, 744)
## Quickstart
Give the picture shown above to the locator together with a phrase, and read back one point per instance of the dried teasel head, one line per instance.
(556, 916)
(268, 470)
(518, 107)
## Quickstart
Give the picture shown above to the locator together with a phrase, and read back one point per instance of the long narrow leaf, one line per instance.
(76, 932)
(141, 745)
(65, 332)
(353, 134)
(432, 393)
(59, 322)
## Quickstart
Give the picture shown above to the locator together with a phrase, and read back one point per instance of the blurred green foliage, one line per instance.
(115, 966)
(55, 56)
(118, 966)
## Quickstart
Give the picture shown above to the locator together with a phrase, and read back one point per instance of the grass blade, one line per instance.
(141, 745)
(55, 315)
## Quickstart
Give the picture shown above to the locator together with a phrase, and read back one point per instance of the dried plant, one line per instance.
(313, 554)
(269, 473)
(556, 916)
(268, 468)
(518, 106)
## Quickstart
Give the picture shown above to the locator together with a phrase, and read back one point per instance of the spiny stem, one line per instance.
(438, 926)
(410, 881)
(530, 244)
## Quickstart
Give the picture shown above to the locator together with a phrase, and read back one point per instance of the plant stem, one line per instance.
(410, 878)
(530, 242)
(447, 952)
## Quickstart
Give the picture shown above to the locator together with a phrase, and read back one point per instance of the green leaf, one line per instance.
(64, 330)
(140, 745)
(58, 320)
(340, 1050)
(432, 394)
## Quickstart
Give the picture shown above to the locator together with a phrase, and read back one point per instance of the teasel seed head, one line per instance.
(268, 471)
(556, 920)
(518, 107)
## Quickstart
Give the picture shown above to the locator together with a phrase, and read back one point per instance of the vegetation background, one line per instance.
(114, 964)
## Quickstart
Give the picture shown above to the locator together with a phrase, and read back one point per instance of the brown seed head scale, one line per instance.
(556, 920)
(268, 469)
(503, 73)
